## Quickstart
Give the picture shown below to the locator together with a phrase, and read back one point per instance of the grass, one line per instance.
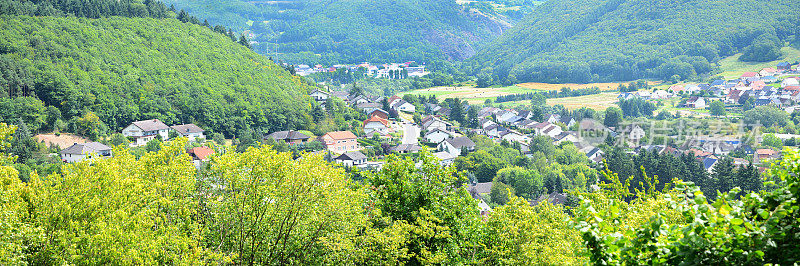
(597, 102)
(473, 95)
(731, 67)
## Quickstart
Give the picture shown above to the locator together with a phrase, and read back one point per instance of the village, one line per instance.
(390, 70)
(396, 126)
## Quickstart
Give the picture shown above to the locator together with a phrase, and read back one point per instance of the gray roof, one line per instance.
(554, 198)
(461, 142)
(406, 148)
(352, 156)
(287, 135)
(83, 148)
(188, 128)
(150, 125)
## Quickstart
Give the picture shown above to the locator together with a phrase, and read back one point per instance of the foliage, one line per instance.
(636, 107)
(335, 32)
(128, 69)
(270, 209)
(583, 41)
(441, 217)
(612, 117)
(772, 141)
(518, 234)
(717, 108)
(120, 210)
(563, 93)
(756, 229)
(766, 115)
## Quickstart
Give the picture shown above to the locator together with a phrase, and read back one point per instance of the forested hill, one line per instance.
(602, 40)
(127, 69)
(349, 31)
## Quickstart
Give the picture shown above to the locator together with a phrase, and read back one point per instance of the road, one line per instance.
(410, 133)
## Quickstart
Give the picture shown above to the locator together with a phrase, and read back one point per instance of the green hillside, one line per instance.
(128, 69)
(330, 32)
(610, 40)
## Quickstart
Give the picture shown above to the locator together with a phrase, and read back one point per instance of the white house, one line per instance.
(789, 82)
(511, 135)
(353, 158)
(454, 145)
(437, 136)
(431, 123)
(552, 131)
(190, 131)
(696, 102)
(145, 131)
(404, 106)
(81, 151)
(319, 95)
(376, 124)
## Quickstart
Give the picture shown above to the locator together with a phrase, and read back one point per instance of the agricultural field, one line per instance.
(597, 102)
(475, 95)
(731, 67)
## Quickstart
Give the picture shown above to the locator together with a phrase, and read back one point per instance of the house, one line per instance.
(626, 96)
(768, 71)
(145, 131)
(437, 136)
(546, 128)
(290, 137)
(565, 136)
(767, 154)
(567, 121)
(368, 107)
(190, 131)
(784, 66)
(505, 115)
(769, 79)
(319, 95)
(595, 155)
(201, 154)
(379, 113)
(340, 142)
(696, 102)
(552, 131)
(406, 148)
(430, 123)
(709, 163)
(590, 128)
(353, 158)
(749, 75)
(445, 158)
(789, 82)
(635, 134)
(478, 190)
(376, 124)
(511, 135)
(494, 131)
(554, 199)
(552, 118)
(82, 151)
(404, 106)
(343, 95)
(455, 145)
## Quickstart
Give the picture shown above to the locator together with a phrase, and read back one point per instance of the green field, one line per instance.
(731, 67)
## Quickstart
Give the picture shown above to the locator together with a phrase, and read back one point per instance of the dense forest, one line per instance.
(602, 40)
(122, 69)
(338, 32)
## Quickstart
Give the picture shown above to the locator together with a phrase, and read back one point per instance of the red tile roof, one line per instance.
(341, 135)
(377, 119)
(201, 153)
